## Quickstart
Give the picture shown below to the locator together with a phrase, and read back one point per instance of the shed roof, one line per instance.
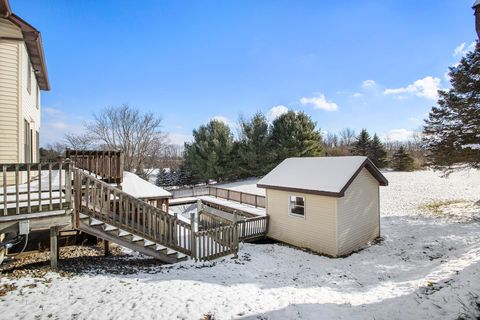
(328, 176)
(140, 188)
(33, 42)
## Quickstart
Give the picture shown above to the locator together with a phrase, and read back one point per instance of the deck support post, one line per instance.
(106, 248)
(54, 252)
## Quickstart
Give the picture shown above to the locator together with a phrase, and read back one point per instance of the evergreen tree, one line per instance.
(164, 178)
(452, 130)
(293, 134)
(377, 152)
(362, 145)
(210, 154)
(402, 161)
(253, 160)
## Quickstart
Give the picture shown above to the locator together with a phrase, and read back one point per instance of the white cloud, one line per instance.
(276, 112)
(425, 88)
(367, 84)
(319, 102)
(398, 135)
(462, 49)
(357, 95)
(222, 119)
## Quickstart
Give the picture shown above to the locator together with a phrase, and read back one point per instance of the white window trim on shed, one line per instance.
(296, 215)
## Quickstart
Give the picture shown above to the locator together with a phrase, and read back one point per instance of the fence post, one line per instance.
(193, 241)
(235, 234)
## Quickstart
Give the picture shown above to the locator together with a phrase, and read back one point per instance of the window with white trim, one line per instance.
(297, 206)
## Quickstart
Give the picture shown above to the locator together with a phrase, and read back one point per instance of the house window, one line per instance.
(29, 77)
(297, 206)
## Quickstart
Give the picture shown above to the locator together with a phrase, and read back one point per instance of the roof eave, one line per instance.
(366, 164)
(301, 190)
(33, 42)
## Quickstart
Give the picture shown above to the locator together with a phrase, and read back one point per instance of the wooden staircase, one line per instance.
(109, 213)
(129, 240)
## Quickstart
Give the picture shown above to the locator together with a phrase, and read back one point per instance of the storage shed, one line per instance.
(329, 205)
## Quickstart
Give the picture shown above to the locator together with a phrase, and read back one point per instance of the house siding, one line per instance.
(9, 93)
(16, 102)
(28, 102)
(316, 231)
(358, 214)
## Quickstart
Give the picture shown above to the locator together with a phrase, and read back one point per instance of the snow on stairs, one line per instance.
(126, 239)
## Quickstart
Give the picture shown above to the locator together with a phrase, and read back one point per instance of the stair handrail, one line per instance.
(162, 228)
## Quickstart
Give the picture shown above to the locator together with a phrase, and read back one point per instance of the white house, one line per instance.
(23, 73)
(329, 205)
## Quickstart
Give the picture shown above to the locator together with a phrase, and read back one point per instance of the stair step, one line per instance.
(123, 233)
(136, 238)
(83, 216)
(148, 243)
(165, 250)
(109, 228)
(95, 222)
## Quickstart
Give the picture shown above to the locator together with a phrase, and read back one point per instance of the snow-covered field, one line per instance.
(427, 267)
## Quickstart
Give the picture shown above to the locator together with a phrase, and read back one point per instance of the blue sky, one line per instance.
(358, 64)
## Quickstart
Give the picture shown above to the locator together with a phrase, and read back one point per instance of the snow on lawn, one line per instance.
(428, 266)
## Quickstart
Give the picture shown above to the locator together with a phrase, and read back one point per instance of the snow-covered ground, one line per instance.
(427, 267)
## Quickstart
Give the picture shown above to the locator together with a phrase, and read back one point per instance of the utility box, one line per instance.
(24, 227)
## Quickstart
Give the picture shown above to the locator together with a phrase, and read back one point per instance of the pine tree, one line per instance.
(402, 161)
(293, 134)
(163, 178)
(361, 146)
(377, 152)
(253, 160)
(452, 130)
(210, 154)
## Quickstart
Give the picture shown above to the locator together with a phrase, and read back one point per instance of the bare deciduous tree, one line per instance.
(83, 141)
(347, 137)
(124, 128)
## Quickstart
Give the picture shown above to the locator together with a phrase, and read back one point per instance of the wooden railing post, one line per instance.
(193, 238)
(235, 235)
(68, 183)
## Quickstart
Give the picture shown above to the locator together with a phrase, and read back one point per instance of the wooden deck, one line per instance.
(78, 193)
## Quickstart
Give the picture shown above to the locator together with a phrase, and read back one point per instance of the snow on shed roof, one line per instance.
(328, 176)
(140, 188)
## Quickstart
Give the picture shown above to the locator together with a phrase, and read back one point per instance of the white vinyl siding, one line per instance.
(358, 214)
(315, 231)
(28, 103)
(9, 98)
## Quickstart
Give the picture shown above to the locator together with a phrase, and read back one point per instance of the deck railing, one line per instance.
(227, 194)
(107, 165)
(253, 228)
(216, 242)
(249, 228)
(108, 204)
(35, 187)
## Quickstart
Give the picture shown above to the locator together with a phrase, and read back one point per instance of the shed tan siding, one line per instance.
(358, 213)
(9, 93)
(316, 231)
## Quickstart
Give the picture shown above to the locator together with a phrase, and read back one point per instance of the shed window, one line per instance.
(297, 206)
